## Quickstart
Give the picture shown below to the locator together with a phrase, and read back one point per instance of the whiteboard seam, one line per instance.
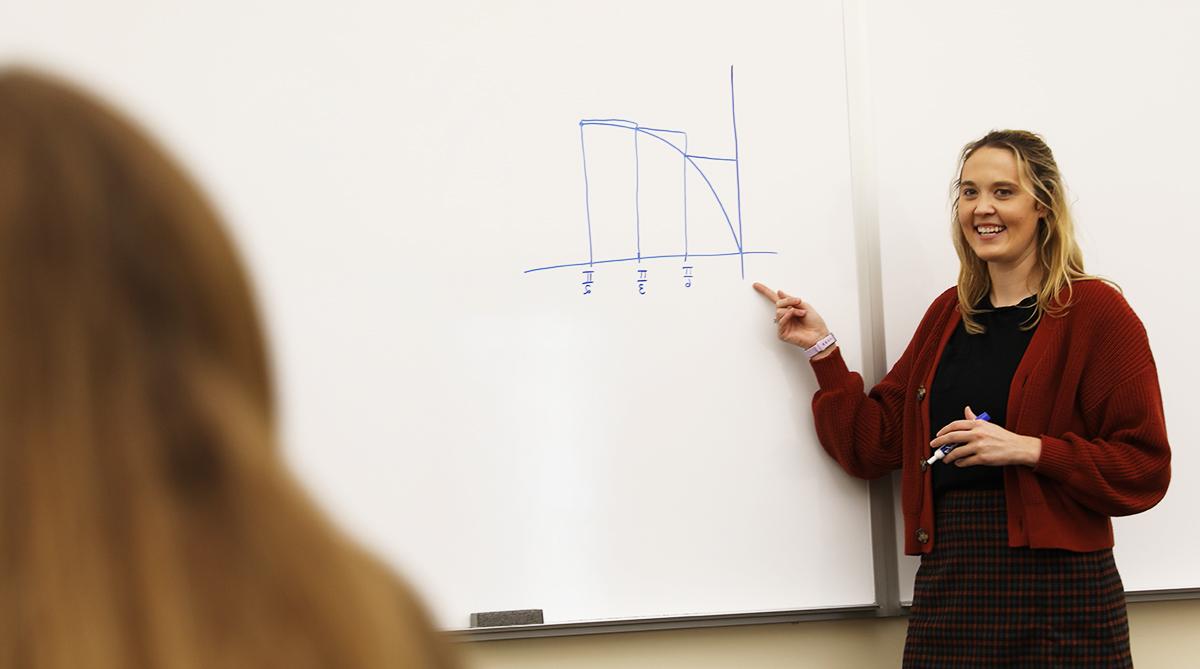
(864, 199)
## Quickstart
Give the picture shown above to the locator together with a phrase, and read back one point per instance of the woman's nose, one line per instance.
(984, 206)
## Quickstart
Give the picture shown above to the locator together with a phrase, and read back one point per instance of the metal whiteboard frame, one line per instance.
(860, 144)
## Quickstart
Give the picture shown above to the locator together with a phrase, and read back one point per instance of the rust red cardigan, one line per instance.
(1087, 386)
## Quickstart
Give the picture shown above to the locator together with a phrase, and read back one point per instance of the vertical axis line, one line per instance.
(685, 218)
(637, 191)
(737, 171)
(587, 200)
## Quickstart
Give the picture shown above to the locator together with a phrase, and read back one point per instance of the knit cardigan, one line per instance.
(1087, 386)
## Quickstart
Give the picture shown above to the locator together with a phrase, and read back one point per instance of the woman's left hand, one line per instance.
(984, 443)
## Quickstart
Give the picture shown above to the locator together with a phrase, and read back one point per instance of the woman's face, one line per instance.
(997, 215)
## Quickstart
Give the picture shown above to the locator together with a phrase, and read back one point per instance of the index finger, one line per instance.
(957, 426)
(951, 437)
(765, 292)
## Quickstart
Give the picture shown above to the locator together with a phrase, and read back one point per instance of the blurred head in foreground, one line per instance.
(146, 517)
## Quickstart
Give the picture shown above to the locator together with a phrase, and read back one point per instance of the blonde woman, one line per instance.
(146, 517)
(1012, 525)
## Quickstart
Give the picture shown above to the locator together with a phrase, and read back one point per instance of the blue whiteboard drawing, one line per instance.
(644, 139)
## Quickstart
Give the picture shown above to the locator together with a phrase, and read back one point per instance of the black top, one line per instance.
(977, 371)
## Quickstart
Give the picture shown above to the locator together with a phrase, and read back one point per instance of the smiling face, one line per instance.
(997, 213)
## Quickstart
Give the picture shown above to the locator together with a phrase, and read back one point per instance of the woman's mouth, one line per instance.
(989, 231)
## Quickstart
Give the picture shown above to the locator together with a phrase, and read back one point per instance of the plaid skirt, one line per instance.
(979, 603)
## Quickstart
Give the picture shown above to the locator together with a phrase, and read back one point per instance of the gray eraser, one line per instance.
(506, 618)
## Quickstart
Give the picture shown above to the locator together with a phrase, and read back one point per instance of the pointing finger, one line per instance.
(765, 292)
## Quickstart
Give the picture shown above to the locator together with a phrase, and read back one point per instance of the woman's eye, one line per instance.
(1003, 192)
(968, 192)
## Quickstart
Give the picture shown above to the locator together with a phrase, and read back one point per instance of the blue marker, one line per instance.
(941, 452)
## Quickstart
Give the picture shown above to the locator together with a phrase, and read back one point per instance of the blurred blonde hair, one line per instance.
(1058, 254)
(147, 519)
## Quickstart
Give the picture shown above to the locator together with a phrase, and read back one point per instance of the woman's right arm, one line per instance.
(861, 431)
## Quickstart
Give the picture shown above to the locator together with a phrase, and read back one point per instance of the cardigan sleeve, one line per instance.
(1122, 465)
(1125, 465)
(862, 432)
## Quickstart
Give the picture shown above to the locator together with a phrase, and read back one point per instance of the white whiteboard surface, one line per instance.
(392, 170)
(1112, 88)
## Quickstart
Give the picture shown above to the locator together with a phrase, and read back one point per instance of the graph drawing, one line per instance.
(703, 170)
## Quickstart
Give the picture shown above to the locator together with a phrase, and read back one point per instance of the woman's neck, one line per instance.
(1013, 283)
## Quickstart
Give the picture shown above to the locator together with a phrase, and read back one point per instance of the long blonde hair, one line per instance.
(1058, 254)
(147, 519)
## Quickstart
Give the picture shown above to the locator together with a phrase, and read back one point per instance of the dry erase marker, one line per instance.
(941, 452)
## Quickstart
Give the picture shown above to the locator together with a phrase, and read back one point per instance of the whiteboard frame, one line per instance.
(882, 499)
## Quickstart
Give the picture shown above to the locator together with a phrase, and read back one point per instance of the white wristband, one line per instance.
(824, 343)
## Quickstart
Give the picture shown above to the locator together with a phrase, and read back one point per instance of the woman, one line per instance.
(147, 519)
(1013, 526)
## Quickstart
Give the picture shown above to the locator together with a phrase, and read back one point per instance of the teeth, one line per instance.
(988, 229)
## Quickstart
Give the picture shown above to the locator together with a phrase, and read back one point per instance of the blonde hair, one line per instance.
(146, 518)
(1058, 254)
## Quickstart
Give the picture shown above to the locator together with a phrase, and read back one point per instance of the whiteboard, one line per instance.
(626, 443)
(1112, 88)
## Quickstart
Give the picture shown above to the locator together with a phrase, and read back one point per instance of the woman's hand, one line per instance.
(798, 322)
(984, 443)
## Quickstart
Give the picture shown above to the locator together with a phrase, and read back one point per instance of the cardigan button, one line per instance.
(920, 393)
(922, 535)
